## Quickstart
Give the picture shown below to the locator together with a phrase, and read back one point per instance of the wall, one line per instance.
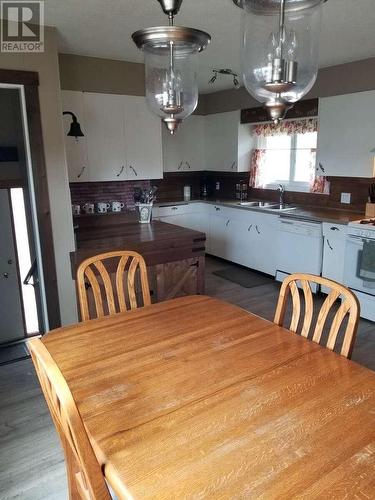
(342, 79)
(46, 64)
(92, 74)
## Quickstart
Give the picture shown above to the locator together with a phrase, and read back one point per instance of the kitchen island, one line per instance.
(175, 256)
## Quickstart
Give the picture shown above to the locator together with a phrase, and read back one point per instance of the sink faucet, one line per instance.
(281, 190)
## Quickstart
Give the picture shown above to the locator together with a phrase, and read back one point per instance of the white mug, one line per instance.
(117, 206)
(88, 208)
(76, 209)
(102, 208)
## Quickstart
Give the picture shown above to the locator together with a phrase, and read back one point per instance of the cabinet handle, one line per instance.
(333, 228)
(228, 222)
(217, 209)
(121, 171)
(249, 227)
(257, 228)
(81, 172)
(134, 170)
(174, 208)
(329, 244)
(188, 165)
(180, 165)
(233, 165)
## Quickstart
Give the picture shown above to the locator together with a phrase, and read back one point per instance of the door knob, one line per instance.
(6, 275)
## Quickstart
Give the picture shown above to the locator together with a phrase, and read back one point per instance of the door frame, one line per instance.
(28, 83)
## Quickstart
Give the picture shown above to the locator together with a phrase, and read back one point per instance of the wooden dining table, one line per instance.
(197, 398)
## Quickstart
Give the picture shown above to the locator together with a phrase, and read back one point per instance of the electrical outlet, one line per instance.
(218, 186)
(346, 197)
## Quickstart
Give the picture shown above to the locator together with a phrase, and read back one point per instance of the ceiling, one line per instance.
(103, 29)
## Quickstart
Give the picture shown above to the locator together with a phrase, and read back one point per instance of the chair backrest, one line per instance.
(85, 476)
(120, 294)
(349, 308)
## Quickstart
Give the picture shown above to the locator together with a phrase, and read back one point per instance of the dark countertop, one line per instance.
(158, 242)
(319, 214)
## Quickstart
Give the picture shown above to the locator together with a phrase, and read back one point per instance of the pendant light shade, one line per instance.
(171, 67)
(280, 52)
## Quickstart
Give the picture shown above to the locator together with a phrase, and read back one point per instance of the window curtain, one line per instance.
(318, 184)
(290, 127)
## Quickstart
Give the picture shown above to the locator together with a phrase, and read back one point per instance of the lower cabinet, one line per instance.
(334, 252)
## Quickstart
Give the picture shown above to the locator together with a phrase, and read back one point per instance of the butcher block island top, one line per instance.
(174, 255)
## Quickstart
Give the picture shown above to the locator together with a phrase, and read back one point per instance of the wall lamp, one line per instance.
(75, 127)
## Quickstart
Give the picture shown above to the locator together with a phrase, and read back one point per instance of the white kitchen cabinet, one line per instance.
(142, 140)
(76, 149)
(228, 144)
(346, 135)
(260, 250)
(104, 116)
(334, 252)
(122, 138)
(184, 151)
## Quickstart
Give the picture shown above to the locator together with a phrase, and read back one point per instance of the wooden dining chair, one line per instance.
(85, 477)
(349, 308)
(120, 291)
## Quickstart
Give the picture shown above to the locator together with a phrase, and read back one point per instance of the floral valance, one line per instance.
(289, 127)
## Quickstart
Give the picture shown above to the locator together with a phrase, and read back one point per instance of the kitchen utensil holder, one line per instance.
(144, 212)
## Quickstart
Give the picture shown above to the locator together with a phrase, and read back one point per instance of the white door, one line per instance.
(76, 149)
(143, 140)
(11, 324)
(104, 116)
(192, 132)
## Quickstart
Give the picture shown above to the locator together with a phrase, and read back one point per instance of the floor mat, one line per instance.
(14, 352)
(243, 277)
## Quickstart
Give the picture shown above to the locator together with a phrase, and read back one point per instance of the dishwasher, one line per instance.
(299, 245)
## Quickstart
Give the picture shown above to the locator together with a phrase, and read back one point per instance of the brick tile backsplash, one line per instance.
(94, 192)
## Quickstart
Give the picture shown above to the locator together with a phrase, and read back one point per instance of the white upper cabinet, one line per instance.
(184, 151)
(76, 149)
(346, 134)
(104, 117)
(143, 140)
(122, 138)
(221, 141)
(212, 142)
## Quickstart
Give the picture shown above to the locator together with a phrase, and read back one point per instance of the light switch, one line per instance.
(346, 197)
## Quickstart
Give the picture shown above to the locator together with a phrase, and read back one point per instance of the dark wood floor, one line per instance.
(31, 461)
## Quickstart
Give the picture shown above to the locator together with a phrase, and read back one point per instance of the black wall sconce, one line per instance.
(75, 127)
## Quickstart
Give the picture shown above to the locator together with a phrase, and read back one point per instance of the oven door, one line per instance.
(353, 256)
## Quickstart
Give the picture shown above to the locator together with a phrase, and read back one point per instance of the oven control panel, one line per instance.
(362, 233)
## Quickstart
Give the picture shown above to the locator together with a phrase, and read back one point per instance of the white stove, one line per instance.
(359, 233)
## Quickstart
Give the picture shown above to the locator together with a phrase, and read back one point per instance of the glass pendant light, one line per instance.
(280, 52)
(171, 66)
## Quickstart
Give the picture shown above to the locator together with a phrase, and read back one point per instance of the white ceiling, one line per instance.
(103, 29)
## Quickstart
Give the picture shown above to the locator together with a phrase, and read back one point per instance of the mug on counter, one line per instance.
(102, 208)
(117, 206)
(88, 208)
(76, 209)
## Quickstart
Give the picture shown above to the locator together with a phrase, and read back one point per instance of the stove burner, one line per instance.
(370, 222)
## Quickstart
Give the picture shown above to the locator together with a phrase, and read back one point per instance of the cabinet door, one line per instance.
(260, 244)
(221, 141)
(76, 149)
(334, 252)
(184, 151)
(192, 132)
(104, 118)
(219, 231)
(143, 140)
(345, 136)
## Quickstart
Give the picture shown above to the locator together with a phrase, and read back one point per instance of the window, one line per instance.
(285, 154)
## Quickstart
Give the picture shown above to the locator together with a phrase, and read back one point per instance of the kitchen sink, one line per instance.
(281, 208)
(259, 204)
